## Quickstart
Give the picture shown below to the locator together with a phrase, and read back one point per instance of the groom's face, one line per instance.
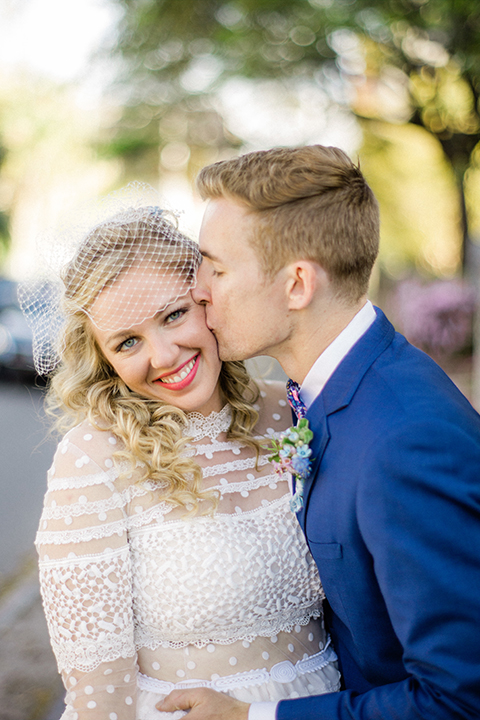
(246, 310)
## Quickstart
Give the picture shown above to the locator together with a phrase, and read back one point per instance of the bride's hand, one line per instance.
(204, 704)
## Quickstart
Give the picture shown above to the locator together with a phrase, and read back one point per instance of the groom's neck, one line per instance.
(315, 329)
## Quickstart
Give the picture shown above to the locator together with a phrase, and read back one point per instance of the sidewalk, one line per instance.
(30, 687)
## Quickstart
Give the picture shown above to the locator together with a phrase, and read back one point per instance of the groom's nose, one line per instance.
(201, 291)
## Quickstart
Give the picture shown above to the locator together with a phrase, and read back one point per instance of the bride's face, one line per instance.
(171, 357)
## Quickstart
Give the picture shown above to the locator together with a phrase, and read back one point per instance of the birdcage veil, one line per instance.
(121, 262)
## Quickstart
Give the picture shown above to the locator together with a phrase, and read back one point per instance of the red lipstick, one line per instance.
(186, 380)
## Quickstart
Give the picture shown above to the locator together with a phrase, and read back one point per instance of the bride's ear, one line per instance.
(304, 280)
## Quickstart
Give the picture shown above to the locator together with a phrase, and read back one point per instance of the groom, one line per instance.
(391, 509)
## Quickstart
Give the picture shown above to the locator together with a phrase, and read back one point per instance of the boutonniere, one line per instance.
(291, 453)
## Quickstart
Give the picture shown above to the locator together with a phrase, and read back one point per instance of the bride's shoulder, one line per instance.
(89, 435)
(274, 410)
(86, 444)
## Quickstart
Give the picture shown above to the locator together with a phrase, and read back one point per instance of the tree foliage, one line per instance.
(176, 47)
(401, 61)
(4, 219)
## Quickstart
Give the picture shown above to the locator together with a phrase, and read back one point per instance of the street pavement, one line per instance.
(26, 453)
(30, 687)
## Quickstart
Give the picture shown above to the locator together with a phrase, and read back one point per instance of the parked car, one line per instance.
(15, 334)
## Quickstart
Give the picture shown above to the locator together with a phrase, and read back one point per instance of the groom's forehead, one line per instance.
(226, 228)
(224, 215)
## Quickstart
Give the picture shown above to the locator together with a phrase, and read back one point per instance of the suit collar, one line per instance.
(326, 364)
(344, 382)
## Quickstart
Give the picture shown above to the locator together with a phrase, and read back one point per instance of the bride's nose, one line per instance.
(164, 354)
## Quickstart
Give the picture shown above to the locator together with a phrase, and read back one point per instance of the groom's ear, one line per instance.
(305, 279)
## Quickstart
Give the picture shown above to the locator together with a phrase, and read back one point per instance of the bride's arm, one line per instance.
(85, 576)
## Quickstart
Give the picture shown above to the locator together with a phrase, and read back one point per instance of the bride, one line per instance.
(169, 557)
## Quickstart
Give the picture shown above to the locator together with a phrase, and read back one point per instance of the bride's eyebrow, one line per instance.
(119, 335)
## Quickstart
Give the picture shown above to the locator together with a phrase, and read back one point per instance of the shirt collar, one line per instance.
(332, 356)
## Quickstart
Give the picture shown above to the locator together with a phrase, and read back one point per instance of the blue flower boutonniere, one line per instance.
(291, 453)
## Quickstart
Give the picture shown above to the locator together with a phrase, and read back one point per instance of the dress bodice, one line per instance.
(130, 584)
(239, 578)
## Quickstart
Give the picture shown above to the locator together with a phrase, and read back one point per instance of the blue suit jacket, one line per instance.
(392, 517)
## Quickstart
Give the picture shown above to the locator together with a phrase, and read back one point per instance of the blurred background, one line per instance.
(96, 93)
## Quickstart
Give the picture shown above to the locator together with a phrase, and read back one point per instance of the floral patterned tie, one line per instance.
(300, 410)
(294, 399)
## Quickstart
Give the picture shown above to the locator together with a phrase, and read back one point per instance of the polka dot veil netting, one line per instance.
(122, 263)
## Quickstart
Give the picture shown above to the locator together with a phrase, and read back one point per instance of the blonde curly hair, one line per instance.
(85, 386)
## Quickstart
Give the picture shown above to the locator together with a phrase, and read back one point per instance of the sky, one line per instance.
(53, 37)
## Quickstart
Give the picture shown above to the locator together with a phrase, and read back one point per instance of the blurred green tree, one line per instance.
(4, 220)
(47, 163)
(399, 61)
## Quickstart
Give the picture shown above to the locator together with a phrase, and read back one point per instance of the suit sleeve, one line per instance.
(418, 510)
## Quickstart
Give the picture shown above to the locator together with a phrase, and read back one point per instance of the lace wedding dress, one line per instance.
(140, 600)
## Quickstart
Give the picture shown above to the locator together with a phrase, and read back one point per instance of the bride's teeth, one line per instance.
(178, 378)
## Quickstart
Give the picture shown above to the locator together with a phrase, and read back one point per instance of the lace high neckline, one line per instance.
(199, 426)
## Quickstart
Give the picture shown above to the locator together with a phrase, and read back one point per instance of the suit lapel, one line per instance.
(339, 391)
(319, 426)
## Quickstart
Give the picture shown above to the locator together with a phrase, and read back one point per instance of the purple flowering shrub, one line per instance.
(436, 317)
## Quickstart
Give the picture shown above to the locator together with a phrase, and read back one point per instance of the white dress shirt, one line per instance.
(316, 379)
(325, 365)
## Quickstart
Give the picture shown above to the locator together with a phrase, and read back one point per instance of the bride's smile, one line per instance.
(182, 376)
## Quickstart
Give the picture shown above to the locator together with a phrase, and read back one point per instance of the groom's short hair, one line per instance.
(309, 203)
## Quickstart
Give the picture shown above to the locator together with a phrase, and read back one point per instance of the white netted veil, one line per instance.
(126, 248)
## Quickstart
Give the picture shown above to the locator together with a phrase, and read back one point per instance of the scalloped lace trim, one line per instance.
(85, 656)
(82, 481)
(228, 518)
(157, 512)
(64, 537)
(148, 637)
(265, 507)
(241, 464)
(249, 485)
(132, 522)
(217, 446)
(77, 509)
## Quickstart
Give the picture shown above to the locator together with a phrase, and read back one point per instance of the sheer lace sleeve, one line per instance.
(86, 579)
(275, 413)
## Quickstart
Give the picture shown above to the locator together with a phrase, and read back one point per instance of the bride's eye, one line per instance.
(127, 344)
(175, 315)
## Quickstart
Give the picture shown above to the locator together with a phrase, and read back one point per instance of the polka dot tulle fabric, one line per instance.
(140, 600)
